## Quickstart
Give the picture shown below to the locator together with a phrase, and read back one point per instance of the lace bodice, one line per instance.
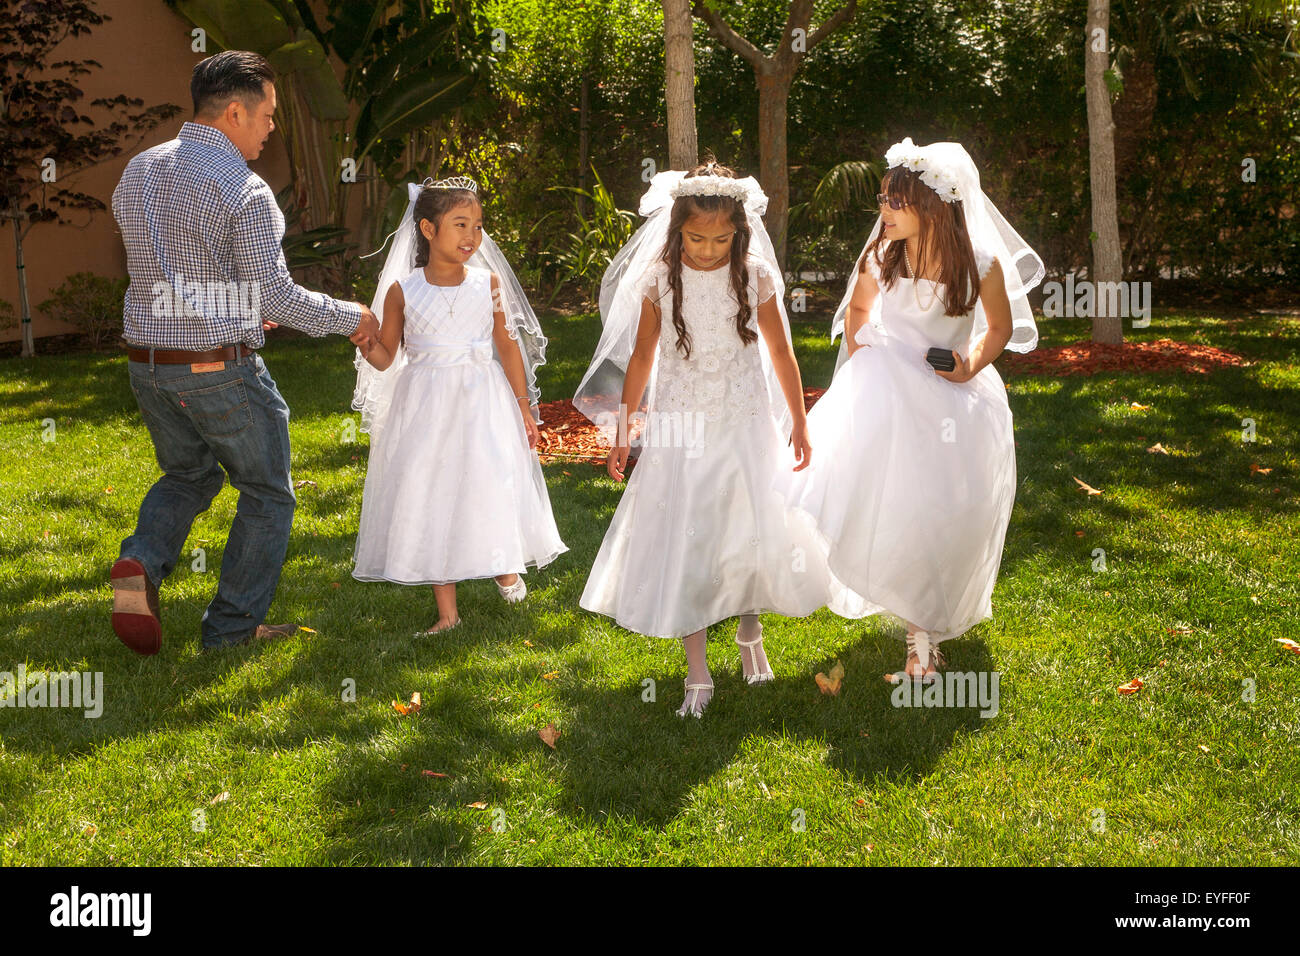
(912, 310)
(723, 378)
(448, 315)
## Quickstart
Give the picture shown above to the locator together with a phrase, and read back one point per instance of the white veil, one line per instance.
(601, 390)
(1022, 268)
(374, 389)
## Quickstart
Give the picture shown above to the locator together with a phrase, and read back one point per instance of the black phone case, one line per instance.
(941, 359)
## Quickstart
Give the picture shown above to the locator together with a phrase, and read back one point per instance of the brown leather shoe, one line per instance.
(137, 618)
(268, 631)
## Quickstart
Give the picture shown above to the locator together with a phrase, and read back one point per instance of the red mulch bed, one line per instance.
(1088, 358)
(566, 435)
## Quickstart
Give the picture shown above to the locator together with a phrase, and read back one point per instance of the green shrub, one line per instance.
(92, 304)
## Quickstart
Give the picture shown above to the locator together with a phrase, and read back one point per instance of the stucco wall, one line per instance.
(145, 50)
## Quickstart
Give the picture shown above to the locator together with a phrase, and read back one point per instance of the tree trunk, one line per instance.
(774, 73)
(25, 308)
(584, 147)
(679, 85)
(1106, 267)
(773, 166)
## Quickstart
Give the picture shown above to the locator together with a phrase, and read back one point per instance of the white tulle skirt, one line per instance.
(453, 492)
(700, 536)
(910, 488)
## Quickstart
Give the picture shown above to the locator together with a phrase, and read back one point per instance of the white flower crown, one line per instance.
(939, 178)
(710, 185)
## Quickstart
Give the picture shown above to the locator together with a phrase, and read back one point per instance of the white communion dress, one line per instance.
(913, 476)
(699, 534)
(453, 492)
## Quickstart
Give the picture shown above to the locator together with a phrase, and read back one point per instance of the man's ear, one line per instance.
(233, 114)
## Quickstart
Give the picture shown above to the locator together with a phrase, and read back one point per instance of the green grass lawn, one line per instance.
(253, 756)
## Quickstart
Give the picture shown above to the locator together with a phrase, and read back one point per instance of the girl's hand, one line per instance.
(959, 374)
(799, 441)
(617, 461)
(530, 426)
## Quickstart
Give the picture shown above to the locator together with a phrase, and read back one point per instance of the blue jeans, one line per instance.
(201, 422)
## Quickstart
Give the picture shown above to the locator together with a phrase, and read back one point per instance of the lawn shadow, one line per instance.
(628, 756)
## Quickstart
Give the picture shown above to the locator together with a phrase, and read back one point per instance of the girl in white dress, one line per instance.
(699, 535)
(913, 488)
(454, 490)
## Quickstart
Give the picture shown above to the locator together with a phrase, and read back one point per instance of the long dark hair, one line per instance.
(432, 204)
(683, 208)
(943, 224)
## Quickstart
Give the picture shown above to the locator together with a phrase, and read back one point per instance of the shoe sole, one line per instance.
(134, 620)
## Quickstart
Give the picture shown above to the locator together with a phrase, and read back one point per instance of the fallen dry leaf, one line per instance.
(1158, 449)
(304, 483)
(222, 797)
(409, 708)
(549, 734)
(1288, 644)
(1140, 408)
(1132, 687)
(1256, 470)
(90, 830)
(430, 773)
(306, 630)
(830, 684)
(477, 805)
(1087, 487)
(528, 643)
(551, 676)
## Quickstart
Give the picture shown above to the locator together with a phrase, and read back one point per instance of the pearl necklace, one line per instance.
(911, 274)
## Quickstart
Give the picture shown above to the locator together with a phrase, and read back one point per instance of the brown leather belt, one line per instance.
(181, 357)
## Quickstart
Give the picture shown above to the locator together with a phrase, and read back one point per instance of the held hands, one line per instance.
(799, 442)
(367, 331)
(960, 373)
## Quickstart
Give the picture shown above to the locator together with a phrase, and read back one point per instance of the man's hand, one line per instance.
(367, 330)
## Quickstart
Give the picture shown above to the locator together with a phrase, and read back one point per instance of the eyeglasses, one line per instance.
(894, 202)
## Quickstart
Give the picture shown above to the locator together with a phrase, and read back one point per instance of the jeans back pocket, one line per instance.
(218, 410)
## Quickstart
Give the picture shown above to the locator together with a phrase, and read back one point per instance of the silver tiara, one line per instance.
(455, 182)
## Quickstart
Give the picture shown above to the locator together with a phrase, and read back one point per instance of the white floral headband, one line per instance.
(710, 185)
(938, 177)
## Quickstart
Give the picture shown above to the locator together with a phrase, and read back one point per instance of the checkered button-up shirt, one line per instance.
(202, 234)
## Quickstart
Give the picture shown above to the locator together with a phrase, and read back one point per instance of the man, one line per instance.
(202, 235)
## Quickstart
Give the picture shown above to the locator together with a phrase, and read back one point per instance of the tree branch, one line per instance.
(729, 37)
(841, 15)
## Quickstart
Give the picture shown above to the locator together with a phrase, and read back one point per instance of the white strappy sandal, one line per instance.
(513, 593)
(756, 677)
(922, 648)
(691, 705)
